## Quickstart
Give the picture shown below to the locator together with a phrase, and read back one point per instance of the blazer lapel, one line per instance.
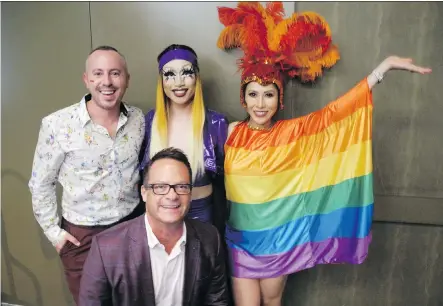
(138, 247)
(192, 264)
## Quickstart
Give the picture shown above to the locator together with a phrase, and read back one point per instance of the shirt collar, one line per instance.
(83, 111)
(152, 239)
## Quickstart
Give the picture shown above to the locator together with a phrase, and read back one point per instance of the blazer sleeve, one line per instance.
(218, 289)
(95, 289)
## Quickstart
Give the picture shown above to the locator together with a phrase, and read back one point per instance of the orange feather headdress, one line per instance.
(299, 46)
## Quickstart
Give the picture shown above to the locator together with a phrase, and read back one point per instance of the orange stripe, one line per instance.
(287, 131)
(304, 152)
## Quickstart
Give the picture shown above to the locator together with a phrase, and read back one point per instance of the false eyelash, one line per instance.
(168, 73)
(188, 71)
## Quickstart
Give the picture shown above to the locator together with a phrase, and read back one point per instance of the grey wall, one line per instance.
(44, 46)
(43, 52)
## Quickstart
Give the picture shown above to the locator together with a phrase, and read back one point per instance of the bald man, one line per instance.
(91, 148)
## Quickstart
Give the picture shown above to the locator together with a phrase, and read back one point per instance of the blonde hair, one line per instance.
(159, 131)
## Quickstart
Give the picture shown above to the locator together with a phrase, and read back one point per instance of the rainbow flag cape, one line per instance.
(301, 194)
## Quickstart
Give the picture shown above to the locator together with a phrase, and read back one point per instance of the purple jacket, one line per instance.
(118, 271)
(215, 132)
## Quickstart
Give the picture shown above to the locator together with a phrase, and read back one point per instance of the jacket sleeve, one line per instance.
(218, 289)
(222, 135)
(220, 204)
(95, 289)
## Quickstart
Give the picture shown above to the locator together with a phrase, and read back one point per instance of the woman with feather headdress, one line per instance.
(300, 190)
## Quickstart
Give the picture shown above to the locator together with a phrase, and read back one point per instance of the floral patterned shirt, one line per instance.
(99, 174)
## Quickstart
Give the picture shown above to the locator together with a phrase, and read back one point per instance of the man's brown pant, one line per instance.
(73, 257)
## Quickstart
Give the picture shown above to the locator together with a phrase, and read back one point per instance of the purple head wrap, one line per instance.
(177, 54)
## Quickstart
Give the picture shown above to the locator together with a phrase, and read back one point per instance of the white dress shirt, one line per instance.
(99, 174)
(168, 271)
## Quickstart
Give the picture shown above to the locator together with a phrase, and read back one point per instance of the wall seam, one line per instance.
(90, 24)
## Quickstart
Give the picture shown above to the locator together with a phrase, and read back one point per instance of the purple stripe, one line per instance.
(331, 251)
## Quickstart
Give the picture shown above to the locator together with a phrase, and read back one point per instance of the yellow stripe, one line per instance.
(302, 152)
(354, 162)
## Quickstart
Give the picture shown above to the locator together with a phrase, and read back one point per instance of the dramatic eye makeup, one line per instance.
(169, 73)
(188, 71)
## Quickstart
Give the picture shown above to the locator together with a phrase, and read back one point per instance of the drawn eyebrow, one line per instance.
(167, 69)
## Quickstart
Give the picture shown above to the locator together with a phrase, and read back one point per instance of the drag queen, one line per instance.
(180, 119)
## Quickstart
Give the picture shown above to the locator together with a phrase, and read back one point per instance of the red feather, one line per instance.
(299, 44)
(276, 10)
(226, 15)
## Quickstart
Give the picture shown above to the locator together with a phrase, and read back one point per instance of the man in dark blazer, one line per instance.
(158, 258)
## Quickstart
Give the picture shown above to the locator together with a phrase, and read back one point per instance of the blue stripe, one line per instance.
(351, 222)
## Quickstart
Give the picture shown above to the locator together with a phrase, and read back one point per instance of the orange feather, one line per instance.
(300, 45)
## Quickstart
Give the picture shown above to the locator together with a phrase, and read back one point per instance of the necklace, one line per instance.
(258, 128)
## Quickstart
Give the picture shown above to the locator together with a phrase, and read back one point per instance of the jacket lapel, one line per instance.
(141, 260)
(192, 263)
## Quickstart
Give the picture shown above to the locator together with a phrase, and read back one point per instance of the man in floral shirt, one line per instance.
(91, 148)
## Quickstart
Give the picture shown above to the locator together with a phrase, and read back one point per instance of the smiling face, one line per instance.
(106, 77)
(179, 79)
(167, 207)
(261, 103)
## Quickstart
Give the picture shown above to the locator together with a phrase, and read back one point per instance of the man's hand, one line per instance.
(67, 237)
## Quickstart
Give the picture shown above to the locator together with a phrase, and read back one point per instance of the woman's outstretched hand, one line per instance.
(395, 63)
(400, 63)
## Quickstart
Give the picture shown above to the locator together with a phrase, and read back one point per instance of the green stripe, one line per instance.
(355, 192)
